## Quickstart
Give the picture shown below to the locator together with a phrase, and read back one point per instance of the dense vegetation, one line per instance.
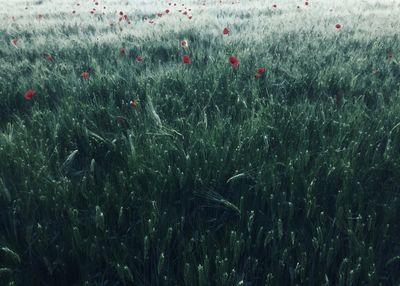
(150, 171)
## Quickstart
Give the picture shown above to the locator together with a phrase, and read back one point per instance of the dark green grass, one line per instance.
(216, 178)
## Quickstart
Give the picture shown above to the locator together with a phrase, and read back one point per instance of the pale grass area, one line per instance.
(252, 22)
(286, 15)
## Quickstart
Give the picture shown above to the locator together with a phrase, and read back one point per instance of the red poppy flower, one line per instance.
(190, 17)
(139, 58)
(338, 26)
(159, 14)
(226, 31)
(122, 51)
(85, 75)
(29, 94)
(306, 3)
(185, 13)
(121, 13)
(185, 59)
(260, 70)
(49, 57)
(14, 41)
(274, 6)
(133, 103)
(167, 11)
(233, 61)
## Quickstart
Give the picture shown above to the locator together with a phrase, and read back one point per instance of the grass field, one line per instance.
(120, 164)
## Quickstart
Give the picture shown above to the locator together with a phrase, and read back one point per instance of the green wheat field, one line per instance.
(237, 143)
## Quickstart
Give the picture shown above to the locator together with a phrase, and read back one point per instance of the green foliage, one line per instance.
(216, 177)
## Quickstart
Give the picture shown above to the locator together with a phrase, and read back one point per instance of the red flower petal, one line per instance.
(29, 94)
(85, 75)
(233, 61)
(186, 59)
(133, 103)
